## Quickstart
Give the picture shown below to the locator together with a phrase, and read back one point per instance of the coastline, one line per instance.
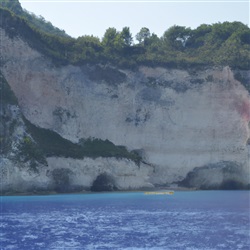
(143, 190)
(45, 193)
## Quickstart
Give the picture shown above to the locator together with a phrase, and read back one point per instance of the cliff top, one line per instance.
(220, 44)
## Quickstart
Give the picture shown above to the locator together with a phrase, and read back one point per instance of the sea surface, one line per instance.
(186, 220)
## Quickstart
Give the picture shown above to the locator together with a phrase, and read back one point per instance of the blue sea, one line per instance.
(186, 220)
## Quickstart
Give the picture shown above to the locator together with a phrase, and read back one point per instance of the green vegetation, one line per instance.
(97, 147)
(223, 44)
(52, 144)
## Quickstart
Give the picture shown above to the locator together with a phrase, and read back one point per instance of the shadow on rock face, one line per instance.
(104, 182)
(225, 175)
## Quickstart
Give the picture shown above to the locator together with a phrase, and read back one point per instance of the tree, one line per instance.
(143, 35)
(87, 48)
(153, 42)
(235, 50)
(198, 36)
(177, 36)
(112, 41)
(126, 36)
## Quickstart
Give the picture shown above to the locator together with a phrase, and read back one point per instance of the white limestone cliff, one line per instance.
(179, 120)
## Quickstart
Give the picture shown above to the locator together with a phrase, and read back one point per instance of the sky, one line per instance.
(86, 17)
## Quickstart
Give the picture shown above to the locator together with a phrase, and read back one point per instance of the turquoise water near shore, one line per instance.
(133, 220)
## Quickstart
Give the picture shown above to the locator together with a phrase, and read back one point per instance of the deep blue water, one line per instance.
(185, 220)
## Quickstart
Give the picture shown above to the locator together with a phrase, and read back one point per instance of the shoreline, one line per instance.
(43, 193)
(143, 190)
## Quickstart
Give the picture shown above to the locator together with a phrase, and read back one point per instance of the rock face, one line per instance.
(178, 120)
(125, 173)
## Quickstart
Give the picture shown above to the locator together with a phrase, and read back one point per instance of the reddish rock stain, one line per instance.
(244, 109)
